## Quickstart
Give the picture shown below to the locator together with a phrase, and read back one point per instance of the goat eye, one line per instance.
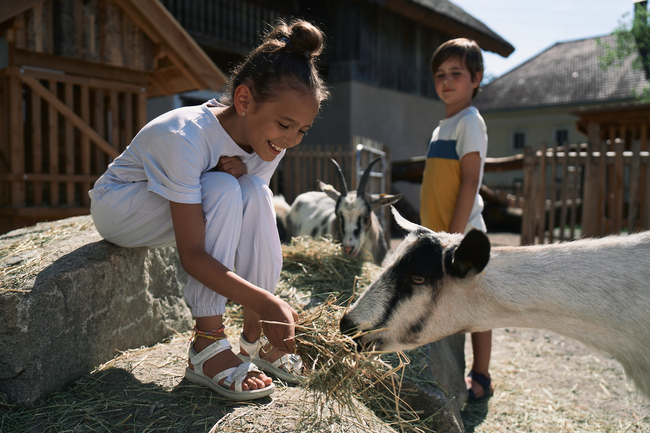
(418, 280)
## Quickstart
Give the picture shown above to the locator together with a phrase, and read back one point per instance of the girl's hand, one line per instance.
(231, 165)
(280, 336)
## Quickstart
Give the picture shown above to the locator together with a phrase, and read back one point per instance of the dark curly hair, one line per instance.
(286, 58)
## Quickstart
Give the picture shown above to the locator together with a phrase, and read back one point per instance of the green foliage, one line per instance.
(632, 39)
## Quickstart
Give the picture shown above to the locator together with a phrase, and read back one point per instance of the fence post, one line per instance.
(541, 202)
(619, 185)
(633, 204)
(528, 217)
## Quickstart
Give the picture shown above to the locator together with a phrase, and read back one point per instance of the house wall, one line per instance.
(402, 121)
(539, 126)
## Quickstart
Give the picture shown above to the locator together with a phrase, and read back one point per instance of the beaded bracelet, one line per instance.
(208, 334)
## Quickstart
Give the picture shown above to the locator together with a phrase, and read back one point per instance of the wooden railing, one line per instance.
(63, 131)
(601, 192)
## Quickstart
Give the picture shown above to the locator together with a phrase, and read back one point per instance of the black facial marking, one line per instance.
(424, 259)
(314, 232)
(415, 329)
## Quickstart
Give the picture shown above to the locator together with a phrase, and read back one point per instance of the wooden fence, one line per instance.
(602, 190)
(62, 130)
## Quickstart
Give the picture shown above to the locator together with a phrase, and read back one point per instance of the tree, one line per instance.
(632, 38)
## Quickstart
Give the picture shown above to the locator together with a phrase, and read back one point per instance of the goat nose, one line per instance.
(347, 326)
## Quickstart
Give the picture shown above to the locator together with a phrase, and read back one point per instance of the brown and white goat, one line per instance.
(596, 291)
(348, 217)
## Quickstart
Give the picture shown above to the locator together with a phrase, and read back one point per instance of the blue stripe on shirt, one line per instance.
(444, 149)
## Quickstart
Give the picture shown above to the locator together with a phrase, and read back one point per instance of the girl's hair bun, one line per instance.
(298, 37)
(286, 57)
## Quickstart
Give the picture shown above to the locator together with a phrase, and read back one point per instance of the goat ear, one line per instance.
(403, 222)
(472, 255)
(329, 190)
(378, 200)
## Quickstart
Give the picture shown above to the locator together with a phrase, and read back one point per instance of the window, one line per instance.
(561, 136)
(518, 140)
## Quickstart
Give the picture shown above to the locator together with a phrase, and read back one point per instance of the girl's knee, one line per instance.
(254, 189)
(219, 188)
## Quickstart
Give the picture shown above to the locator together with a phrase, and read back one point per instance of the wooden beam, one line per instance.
(11, 8)
(48, 177)
(71, 115)
(80, 80)
(160, 25)
(79, 67)
(51, 213)
(16, 139)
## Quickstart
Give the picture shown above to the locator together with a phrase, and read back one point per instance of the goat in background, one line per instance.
(596, 291)
(348, 216)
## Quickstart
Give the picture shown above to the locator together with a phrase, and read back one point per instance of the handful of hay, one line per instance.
(316, 270)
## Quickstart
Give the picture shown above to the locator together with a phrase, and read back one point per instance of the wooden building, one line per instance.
(74, 79)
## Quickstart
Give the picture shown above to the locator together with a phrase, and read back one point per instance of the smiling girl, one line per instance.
(197, 177)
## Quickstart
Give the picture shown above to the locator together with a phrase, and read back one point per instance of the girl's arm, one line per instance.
(470, 168)
(190, 233)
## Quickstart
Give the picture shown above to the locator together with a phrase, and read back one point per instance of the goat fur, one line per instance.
(596, 291)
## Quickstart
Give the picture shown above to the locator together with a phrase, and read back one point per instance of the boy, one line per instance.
(454, 169)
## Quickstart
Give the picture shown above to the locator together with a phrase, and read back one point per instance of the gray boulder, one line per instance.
(70, 301)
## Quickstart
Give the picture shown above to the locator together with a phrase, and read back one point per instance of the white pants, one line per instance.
(240, 229)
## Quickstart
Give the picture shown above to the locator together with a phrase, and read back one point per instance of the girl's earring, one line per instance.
(243, 113)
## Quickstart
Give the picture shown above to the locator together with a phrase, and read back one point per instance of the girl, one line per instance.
(197, 177)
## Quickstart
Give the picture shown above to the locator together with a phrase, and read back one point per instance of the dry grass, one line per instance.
(23, 256)
(144, 390)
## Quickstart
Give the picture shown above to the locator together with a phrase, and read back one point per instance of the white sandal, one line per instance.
(235, 375)
(288, 367)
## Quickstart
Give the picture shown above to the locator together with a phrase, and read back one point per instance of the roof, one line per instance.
(445, 16)
(567, 73)
(191, 67)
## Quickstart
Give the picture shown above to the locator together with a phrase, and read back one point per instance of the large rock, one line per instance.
(70, 301)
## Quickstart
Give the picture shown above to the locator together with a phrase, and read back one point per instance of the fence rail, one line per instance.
(600, 192)
(69, 129)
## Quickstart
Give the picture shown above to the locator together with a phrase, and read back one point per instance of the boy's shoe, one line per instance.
(482, 380)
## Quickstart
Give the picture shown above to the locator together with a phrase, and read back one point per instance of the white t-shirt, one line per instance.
(172, 151)
(456, 136)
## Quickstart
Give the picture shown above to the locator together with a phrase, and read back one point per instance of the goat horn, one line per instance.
(361, 189)
(344, 186)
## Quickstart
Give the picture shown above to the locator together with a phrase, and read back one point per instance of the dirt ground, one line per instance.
(545, 382)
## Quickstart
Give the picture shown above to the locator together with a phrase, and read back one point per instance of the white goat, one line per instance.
(347, 216)
(596, 291)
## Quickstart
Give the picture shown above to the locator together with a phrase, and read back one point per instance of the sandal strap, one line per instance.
(481, 379)
(290, 363)
(250, 348)
(236, 375)
(197, 359)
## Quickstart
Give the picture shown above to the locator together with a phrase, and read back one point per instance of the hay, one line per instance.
(143, 389)
(336, 372)
(23, 255)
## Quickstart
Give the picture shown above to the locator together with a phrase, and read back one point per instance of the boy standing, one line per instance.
(453, 172)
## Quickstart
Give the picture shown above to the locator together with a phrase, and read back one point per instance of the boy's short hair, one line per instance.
(466, 50)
